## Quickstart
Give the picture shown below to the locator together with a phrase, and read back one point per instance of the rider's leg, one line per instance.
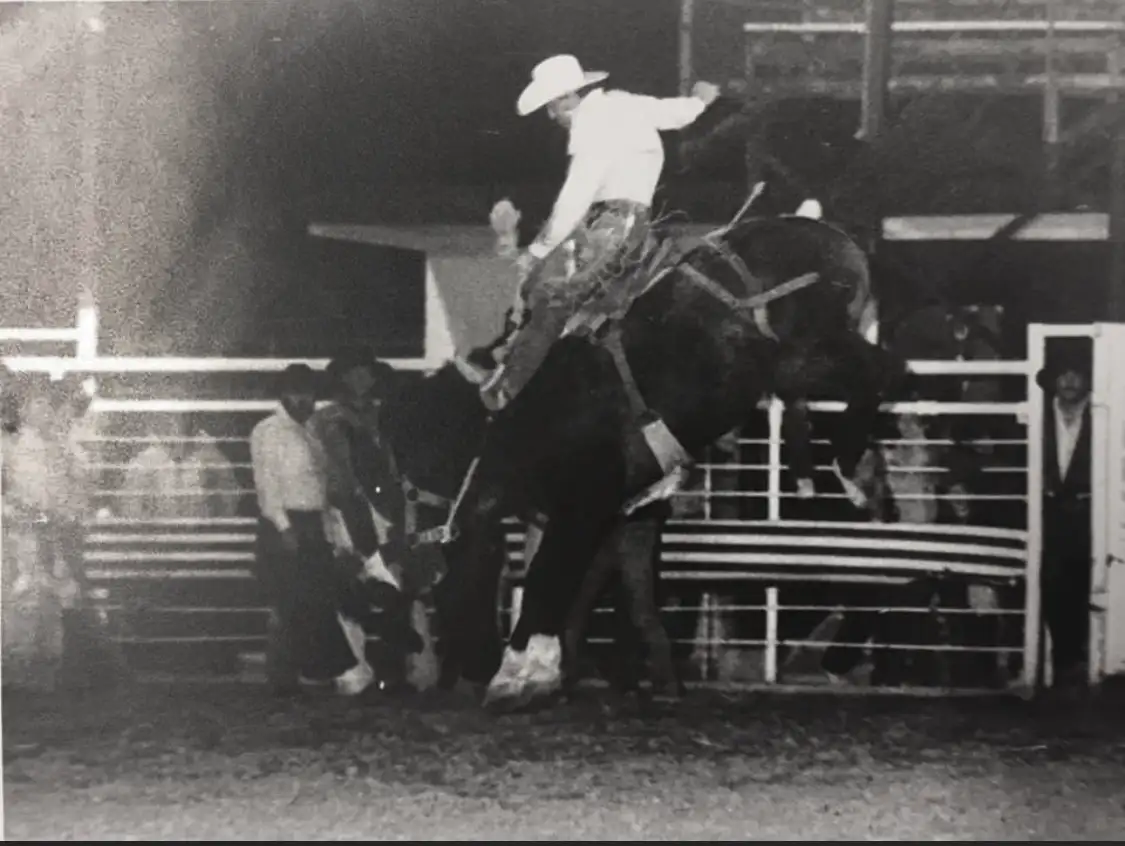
(614, 240)
(550, 306)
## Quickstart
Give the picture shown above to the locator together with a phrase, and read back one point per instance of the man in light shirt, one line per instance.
(616, 158)
(294, 559)
(1067, 540)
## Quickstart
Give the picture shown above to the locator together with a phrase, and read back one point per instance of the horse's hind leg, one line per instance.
(639, 551)
(593, 588)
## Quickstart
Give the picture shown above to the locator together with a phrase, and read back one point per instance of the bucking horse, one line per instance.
(764, 306)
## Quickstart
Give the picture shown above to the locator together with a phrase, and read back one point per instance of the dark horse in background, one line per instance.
(570, 445)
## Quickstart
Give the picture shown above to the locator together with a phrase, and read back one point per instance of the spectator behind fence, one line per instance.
(294, 560)
(207, 467)
(163, 481)
(47, 495)
(1067, 541)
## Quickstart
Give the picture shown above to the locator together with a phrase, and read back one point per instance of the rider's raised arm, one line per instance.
(666, 113)
(588, 169)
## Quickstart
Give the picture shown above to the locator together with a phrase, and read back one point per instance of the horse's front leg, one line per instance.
(864, 373)
(868, 375)
(797, 434)
(798, 371)
(531, 667)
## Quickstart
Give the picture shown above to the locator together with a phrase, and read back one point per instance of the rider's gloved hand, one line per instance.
(708, 92)
(527, 264)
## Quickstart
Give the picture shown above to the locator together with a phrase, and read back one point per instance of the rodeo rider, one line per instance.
(1067, 538)
(616, 158)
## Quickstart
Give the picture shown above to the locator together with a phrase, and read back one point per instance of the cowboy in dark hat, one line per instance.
(1068, 370)
(364, 485)
(1067, 541)
(360, 374)
(349, 429)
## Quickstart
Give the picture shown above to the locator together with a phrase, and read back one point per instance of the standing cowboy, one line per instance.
(1067, 536)
(616, 157)
(294, 560)
(361, 476)
(365, 491)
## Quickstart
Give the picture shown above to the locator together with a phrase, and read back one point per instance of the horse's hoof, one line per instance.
(500, 697)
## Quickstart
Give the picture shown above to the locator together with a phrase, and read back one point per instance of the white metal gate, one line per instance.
(1107, 599)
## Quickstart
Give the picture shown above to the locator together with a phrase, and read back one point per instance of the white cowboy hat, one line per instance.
(553, 78)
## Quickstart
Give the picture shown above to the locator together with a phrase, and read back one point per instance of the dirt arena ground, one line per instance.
(218, 763)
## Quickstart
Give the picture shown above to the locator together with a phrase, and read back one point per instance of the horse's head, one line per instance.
(435, 425)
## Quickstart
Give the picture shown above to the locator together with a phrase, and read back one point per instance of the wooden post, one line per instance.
(876, 67)
(873, 112)
(687, 17)
(90, 135)
(1116, 292)
(1051, 106)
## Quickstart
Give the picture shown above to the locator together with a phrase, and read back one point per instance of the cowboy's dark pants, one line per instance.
(1065, 579)
(302, 590)
(357, 517)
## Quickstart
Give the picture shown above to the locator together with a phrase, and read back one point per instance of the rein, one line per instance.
(415, 497)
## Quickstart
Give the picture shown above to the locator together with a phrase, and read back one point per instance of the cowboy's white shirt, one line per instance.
(1067, 429)
(616, 154)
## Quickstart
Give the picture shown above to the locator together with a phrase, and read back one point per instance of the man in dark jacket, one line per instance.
(1067, 541)
(365, 488)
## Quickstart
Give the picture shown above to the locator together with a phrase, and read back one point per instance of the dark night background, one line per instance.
(225, 128)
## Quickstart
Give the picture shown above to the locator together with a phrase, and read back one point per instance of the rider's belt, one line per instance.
(622, 207)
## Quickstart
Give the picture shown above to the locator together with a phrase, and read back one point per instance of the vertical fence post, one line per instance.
(687, 72)
(86, 343)
(772, 610)
(708, 486)
(1032, 622)
(1102, 487)
(776, 410)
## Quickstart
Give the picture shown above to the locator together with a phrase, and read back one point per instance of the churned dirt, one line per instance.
(231, 763)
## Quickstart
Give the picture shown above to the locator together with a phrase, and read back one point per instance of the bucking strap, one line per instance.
(755, 304)
(612, 343)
